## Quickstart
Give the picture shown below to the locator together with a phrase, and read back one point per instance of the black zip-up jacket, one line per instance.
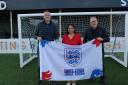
(46, 31)
(91, 33)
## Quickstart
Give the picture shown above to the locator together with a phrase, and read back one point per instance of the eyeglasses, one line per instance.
(92, 21)
(47, 15)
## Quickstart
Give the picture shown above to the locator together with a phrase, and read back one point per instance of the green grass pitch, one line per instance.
(12, 74)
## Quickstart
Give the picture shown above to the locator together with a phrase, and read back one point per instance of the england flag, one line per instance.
(61, 62)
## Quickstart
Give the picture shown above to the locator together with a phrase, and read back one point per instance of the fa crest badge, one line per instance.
(72, 56)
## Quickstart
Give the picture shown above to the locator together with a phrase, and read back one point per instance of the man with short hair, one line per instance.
(46, 31)
(96, 32)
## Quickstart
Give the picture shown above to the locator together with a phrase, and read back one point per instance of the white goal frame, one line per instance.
(124, 63)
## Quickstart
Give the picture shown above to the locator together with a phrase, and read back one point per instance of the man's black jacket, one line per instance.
(47, 31)
(91, 33)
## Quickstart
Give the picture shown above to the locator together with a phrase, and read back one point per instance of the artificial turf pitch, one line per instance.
(12, 74)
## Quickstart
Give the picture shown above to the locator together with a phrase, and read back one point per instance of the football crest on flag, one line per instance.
(72, 56)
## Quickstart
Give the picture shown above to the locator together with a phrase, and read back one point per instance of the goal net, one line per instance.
(116, 24)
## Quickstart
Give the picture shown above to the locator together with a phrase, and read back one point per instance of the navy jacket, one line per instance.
(46, 31)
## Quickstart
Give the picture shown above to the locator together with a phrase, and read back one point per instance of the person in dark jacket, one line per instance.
(99, 33)
(46, 29)
(95, 32)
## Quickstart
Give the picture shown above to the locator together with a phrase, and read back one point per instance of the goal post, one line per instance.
(116, 24)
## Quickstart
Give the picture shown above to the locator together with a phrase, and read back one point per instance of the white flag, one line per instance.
(61, 62)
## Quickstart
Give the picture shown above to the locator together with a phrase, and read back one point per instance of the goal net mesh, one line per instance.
(113, 23)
